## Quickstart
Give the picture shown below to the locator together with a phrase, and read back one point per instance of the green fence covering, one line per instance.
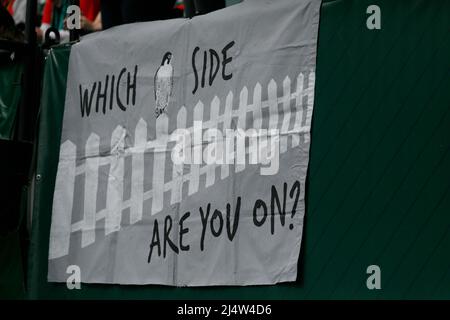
(379, 176)
(11, 270)
(10, 93)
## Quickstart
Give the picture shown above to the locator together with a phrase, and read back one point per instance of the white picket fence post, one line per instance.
(114, 195)
(241, 124)
(310, 94)
(194, 180)
(178, 168)
(159, 163)
(214, 115)
(227, 117)
(90, 189)
(286, 115)
(63, 201)
(115, 202)
(299, 108)
(273, 104)
(137, 178)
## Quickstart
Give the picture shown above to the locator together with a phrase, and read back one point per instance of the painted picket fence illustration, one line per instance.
(295, 125)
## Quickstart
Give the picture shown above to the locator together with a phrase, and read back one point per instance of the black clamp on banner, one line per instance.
(49, 40)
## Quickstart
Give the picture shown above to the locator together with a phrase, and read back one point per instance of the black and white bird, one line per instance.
(163, 84)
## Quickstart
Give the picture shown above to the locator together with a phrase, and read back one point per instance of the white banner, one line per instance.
(185, 148)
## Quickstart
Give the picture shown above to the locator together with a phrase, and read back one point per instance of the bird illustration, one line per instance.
(163, 84)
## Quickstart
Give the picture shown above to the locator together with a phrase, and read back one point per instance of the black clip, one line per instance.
(49, 41)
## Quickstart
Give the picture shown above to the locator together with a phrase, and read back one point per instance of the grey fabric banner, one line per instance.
(185, 148)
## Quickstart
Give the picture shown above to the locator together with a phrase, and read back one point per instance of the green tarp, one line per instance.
(10, 93)
(12, 284)
(11, 268)
(379, 171)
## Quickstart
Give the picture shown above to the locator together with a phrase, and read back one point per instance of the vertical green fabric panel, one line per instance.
(379, 172)
(10, 93)
(51, 114)
(12, 273)
(11, 270)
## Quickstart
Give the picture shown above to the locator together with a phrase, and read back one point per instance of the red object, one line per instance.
(9, 6)
(47, 13)
(89, 9)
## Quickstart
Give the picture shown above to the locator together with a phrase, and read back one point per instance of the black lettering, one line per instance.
(204, 219)
(101, 95)
(119, 102)
(259, 204)
(226, 60)
(216, 215)
(195, 69)
(204, 68)
(232, 233)
(183, 231)
(296, 186)
(167, 228)
(132, 87)
(85, 102)
(212, 74)
(155, 241)
(111, 97)
(281, 211)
